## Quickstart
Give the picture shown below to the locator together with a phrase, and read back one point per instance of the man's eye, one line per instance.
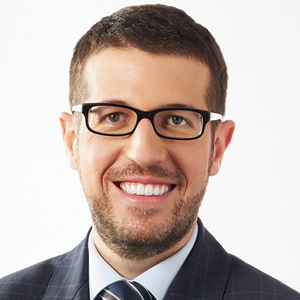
(114, 117)
(176, 120)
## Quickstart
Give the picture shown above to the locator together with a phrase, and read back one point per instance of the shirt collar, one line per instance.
(156, 280)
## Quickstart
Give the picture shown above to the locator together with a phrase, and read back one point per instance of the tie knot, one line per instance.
(125, 290)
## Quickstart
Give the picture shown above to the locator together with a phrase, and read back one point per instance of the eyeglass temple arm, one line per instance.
(215, 117)
(77, 108)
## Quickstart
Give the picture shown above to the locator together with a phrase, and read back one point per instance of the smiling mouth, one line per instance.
(145, 189)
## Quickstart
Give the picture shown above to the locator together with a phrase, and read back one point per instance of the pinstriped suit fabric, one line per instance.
(63, 277)
(209, 273)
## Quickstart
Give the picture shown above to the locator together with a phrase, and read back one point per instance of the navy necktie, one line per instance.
(125, 290)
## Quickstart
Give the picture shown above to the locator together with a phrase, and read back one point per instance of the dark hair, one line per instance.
(156, 29)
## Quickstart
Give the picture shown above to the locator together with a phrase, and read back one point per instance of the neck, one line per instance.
(131, 268)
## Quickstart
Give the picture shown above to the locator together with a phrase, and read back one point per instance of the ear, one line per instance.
(223, 136)
(69, 133)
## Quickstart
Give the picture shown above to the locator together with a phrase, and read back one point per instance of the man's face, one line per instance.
(138, 226)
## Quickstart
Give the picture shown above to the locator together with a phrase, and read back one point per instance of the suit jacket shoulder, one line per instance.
(247, 281)
(210, 272)
(30, 282)
(62, 277)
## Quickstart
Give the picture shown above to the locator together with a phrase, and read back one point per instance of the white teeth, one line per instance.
(149, 190)
(140, 189)
(156, 191)
(145, 190)
(130, 188)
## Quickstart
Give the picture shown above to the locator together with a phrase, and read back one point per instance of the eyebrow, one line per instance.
(178, 105)
(115, 101)
(170, 105)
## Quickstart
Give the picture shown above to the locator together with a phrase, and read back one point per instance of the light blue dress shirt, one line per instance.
(156, 280)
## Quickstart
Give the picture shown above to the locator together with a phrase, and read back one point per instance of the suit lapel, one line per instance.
(205, 272)
(70, 281)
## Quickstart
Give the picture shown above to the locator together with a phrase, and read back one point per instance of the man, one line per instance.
(147, 94)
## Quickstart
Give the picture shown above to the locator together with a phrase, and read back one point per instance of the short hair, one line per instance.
(156, 29)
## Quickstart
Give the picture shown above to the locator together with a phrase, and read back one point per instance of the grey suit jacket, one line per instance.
(209, 272)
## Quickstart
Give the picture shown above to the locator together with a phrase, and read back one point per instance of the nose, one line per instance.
(145, 147)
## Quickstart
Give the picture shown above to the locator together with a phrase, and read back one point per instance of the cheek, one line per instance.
(196, 172)
(94, 159)
(194, 163)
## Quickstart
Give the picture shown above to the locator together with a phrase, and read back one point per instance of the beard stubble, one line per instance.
(139, 236)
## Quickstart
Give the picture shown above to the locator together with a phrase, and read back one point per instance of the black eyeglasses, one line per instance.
(169, 123)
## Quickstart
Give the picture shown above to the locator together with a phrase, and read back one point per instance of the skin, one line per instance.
(138, 79)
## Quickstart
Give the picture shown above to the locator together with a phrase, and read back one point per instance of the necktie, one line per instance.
(125, 290)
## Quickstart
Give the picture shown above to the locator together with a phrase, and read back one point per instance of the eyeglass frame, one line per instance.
(141, 114)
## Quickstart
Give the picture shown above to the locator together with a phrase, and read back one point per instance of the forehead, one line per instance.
(146, 81)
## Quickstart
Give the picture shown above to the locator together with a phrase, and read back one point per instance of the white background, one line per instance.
(252, 206)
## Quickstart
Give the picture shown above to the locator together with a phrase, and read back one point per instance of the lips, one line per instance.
(145, 189)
